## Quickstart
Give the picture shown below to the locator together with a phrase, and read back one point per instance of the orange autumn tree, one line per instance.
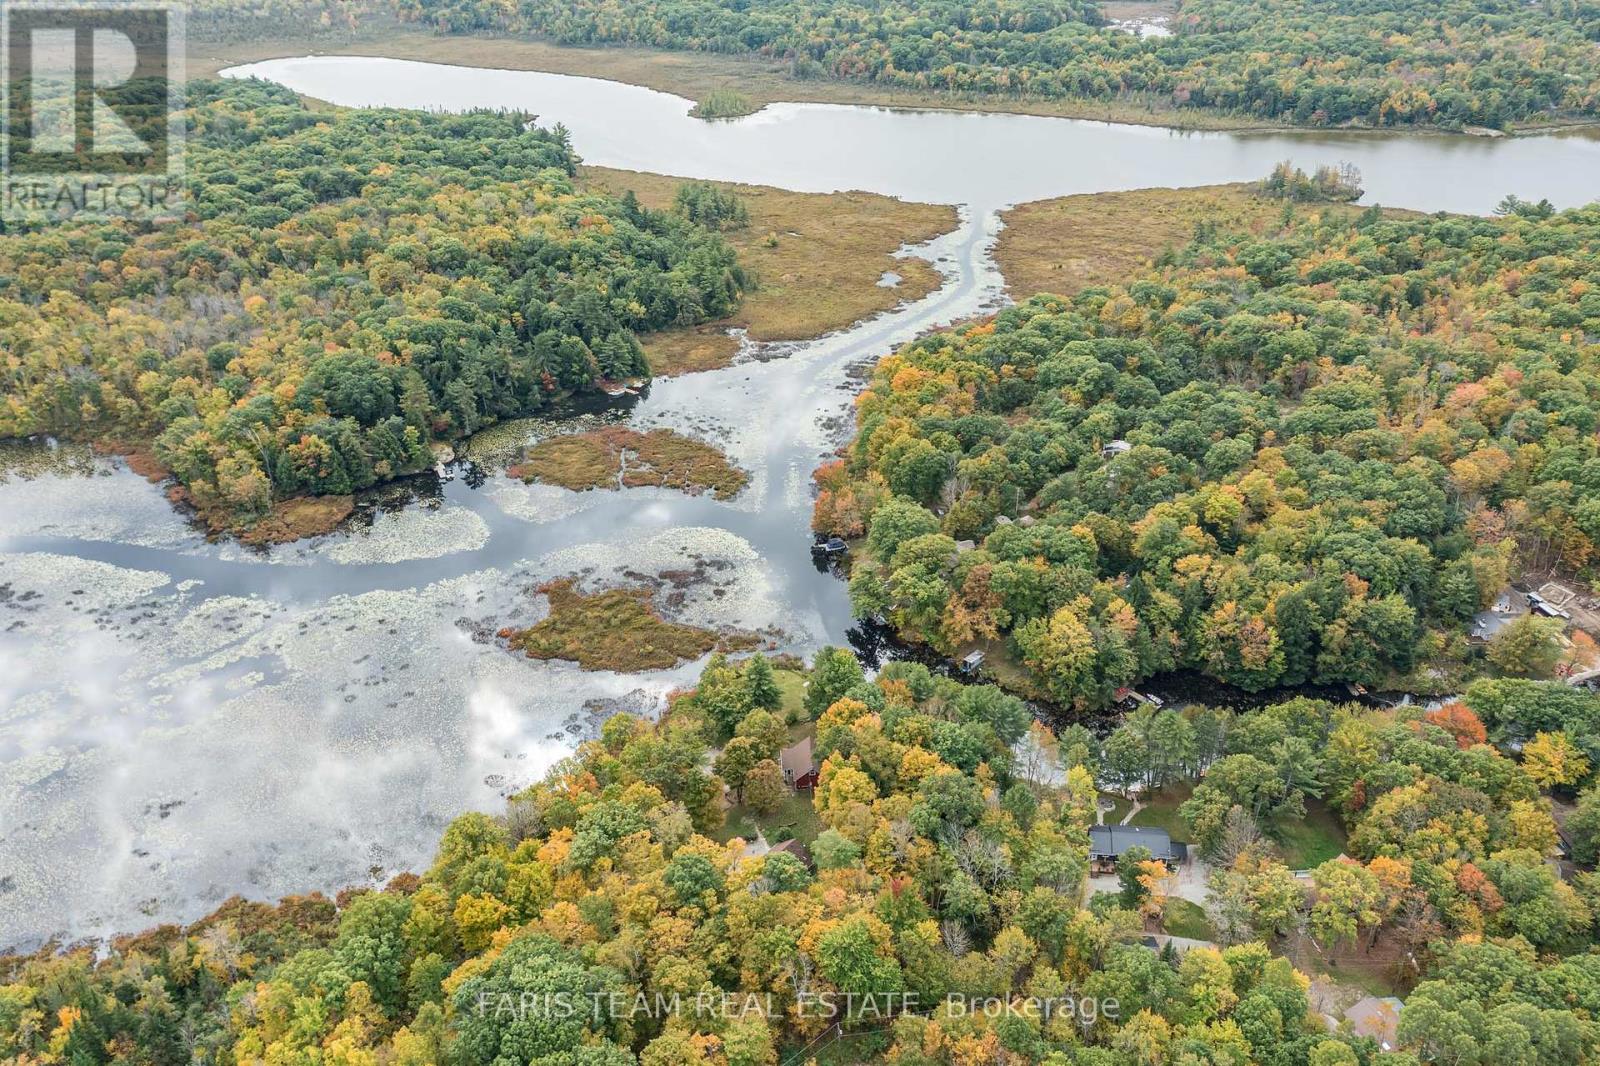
(1457, 719)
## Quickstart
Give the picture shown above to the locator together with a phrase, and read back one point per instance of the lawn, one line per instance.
(792, 683)
(1003, 668)
(1313, 840)
(1119, 808)
(1161, 810)
(1186, 918)
(1372, 973)
(795, 814)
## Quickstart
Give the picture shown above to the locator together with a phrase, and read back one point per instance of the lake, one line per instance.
(954, 157)
(185, 720)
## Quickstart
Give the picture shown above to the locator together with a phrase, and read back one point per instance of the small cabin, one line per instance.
(795, 848)
(972, 663)
(798, 762)
(1115, 448)
(1377, 1018)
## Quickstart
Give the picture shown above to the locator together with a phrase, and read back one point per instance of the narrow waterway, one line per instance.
(180, 720)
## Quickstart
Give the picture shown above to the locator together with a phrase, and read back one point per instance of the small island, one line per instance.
(617, 457)
(616, 629)
(724, 103)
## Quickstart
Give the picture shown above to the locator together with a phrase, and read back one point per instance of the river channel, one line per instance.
(183, 720)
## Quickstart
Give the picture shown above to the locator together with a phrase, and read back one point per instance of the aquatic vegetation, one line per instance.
(615, 629)
(283, 711)
(619, 457)
(302, 516)
(411, 533)
(724, 103)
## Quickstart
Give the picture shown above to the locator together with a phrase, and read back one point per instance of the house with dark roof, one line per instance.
(795, 848)
(1108, 843)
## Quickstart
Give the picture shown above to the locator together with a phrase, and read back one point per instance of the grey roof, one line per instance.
(1545, 607)
(1486, 625)
(1113, 840)
(1511, 601)
(1508, 607)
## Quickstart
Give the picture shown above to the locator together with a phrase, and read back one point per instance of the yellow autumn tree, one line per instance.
(1552, 759)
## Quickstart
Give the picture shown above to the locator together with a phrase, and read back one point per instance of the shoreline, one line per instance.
(692, 75)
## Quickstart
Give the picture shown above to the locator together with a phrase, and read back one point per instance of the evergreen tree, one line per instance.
(761, 685)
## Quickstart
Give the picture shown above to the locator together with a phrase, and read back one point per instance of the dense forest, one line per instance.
(257, 20)
(1310, 62)
(946, 869)
(1305, 456)
(350, 287)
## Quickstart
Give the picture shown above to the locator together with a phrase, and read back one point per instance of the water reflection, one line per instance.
(321, 709)
(953, 157)
(185, 719)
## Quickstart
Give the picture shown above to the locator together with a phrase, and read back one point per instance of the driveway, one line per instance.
(1189, 882)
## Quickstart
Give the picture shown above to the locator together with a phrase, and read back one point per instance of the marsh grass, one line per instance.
(619, 457)
(814, 261)
(303, 516)
(1073, 242)
(616, 629)
(694, 75)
